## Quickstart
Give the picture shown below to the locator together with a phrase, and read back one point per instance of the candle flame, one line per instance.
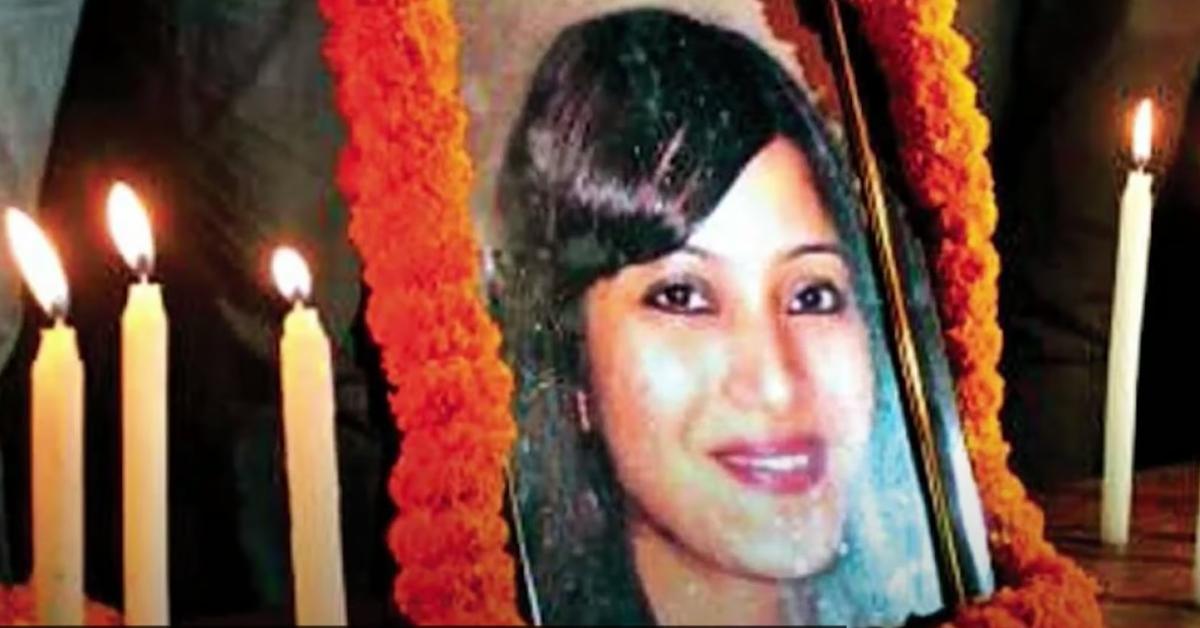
(1143, 130)
(37, 261)
(129, 226)
(291, 273)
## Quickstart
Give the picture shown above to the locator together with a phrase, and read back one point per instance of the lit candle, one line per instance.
(308, 433)
(1133, 250)
(56, 433)
(143, 416)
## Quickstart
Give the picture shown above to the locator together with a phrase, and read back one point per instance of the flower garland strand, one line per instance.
(17, 609)
(943, 139)
(406, 176)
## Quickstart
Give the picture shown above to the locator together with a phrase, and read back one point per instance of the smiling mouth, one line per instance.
(786, 466)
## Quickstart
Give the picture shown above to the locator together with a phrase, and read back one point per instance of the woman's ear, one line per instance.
(582, 413)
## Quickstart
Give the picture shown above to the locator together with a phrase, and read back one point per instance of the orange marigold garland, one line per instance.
(17, 609)
(406, 176)
(943, 137)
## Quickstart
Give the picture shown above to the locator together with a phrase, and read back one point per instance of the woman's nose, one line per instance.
(761, 374)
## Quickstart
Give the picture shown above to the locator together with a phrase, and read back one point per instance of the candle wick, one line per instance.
(142, 267)
(58, 312)
(1141, 160)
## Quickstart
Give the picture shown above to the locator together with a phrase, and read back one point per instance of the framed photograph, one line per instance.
(711, 423)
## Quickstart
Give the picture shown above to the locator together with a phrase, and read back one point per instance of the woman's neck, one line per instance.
(684, 589)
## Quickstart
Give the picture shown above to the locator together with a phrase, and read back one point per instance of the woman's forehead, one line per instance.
(773, 206)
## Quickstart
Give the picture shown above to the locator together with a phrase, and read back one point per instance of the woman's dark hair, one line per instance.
(635, 126)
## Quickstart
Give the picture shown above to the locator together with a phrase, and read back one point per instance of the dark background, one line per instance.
(1060, 80)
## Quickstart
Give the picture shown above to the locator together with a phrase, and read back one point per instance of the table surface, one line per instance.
(1150, 582)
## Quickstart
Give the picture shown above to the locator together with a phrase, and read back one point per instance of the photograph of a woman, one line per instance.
(710, 431)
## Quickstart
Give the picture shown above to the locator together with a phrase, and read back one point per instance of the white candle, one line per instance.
(143, 417)
(308, 412)
(1133, 250)
(56, 431)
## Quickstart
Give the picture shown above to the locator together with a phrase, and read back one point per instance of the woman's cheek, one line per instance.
(658, 381)
(838, 361)
(667, 369)
(859, 379)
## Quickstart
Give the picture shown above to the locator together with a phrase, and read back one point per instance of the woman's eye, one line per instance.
(817, 298)
(679, 298)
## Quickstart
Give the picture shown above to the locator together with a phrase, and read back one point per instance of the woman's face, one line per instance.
(733, 378)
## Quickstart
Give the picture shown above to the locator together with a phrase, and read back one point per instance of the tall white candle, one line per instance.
(1133, 250)
(56, 431)
(143, 417)
(308, 413)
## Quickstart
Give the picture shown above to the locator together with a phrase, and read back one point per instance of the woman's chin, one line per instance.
(786, 560)
(791, 538)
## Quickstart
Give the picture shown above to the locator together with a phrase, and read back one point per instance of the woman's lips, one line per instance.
(784, 466)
